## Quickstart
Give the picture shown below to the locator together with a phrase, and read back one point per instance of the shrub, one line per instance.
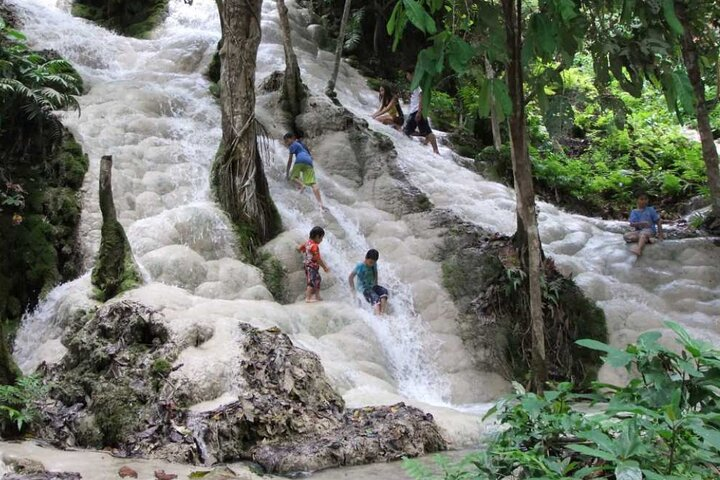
(663, 425)
(18, 410)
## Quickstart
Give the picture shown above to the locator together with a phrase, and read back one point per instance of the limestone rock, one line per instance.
(115, 388)
(176, 265)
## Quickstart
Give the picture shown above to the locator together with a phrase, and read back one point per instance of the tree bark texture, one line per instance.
(527, 237)
(293, 88)
(239, 176)
(330, 91)
(115, 270)
(691, 58)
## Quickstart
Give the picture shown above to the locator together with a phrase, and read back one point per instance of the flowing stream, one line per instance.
(149, 106)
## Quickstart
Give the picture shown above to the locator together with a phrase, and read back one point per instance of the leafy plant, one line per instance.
(18, 403)
(30, 82)
(662, 425)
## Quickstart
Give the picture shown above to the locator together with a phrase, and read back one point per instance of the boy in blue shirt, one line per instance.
(302, 172)
(367, 275)
(646, 225)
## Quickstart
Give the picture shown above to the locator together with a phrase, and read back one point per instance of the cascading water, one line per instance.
(148, 105)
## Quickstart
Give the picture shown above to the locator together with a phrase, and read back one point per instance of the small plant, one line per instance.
(697, 220)
(662, 425)
(18, 407)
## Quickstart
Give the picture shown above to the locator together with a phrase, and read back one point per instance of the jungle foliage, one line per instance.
(663, 425)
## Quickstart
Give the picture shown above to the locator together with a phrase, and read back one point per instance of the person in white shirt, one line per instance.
(416, 120)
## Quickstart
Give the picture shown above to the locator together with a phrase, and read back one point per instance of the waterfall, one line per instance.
(148, 105)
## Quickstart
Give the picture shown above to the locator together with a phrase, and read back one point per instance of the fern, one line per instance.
(353, 35)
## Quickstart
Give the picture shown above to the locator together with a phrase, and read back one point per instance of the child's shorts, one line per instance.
(313, 278)
(305, 172)
(373, 295)
(634, 236)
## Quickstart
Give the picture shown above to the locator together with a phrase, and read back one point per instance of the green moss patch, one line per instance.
(134, 18)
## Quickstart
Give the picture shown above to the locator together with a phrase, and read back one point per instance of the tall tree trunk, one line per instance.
(330, 90)
(527, 237)
(293, 89)
(238, 173)
(494, 121)
(691, 58)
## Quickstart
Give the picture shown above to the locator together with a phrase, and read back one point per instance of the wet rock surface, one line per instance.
(115, 388)
(482, 272)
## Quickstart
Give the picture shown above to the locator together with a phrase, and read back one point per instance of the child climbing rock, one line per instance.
(302, 173)
(367, 275)
(312, 263)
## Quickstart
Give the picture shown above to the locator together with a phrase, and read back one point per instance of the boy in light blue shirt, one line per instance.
(646, 225)
(367, 275)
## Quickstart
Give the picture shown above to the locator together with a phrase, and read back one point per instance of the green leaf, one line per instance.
(668, 7)
(567, 9)
(628, 471)
(593, 452)
(459, 54)
(419, 17)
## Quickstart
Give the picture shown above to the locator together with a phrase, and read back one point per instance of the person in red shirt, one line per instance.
(312, 263)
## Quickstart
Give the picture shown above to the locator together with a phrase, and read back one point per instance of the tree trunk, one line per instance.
(379, 26)
(494, 122)
(115, 270)
(238, 173)
(527, 238)
(330, 90)
(293, 89)
(709, 149)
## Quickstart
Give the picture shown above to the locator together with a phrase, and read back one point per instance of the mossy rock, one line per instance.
(134, 18)
(274, 276)
(115, 270)
(115, 408)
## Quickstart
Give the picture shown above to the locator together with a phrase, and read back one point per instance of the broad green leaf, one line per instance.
(459, 54)
(593, 452)
(567, 9)
(627, 471)
(419, 17)
(668, 7)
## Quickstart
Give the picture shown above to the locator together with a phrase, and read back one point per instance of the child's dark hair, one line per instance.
(317, 232)
(642, 195)
(289, 135)
(372, 254)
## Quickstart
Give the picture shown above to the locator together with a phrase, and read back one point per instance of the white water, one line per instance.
(149, 107)
(147, 104)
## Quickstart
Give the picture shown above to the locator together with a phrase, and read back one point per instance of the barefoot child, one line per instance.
(312, 263)
(367, 275)
(646, 225)
(302, 173)
(416, 120)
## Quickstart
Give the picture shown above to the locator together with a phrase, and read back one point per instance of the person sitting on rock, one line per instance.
(390, 112)
(367, 275)
(646, 225)
(302, 173)
(416, 120)
(312, 261)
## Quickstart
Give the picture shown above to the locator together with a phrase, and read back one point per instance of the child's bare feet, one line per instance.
(310, 300)
(636, 250)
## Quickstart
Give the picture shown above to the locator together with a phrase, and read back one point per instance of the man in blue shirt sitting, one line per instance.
(646, 225)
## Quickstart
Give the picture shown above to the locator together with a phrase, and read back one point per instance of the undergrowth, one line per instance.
(663, 425)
